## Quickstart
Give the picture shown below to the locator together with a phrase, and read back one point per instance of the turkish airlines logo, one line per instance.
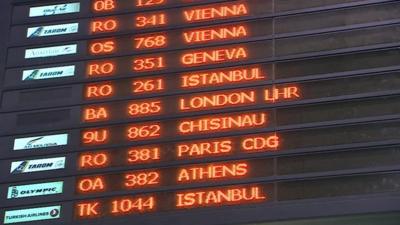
(32, 214)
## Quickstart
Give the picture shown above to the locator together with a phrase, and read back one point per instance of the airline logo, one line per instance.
(29, 166)
(51, 51)
(30, 190)
(32, 214)
(50, 10)
(53, 30)
(41, 141)
(48, 73)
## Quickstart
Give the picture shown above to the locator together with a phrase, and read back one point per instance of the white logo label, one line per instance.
(52, 30)
(51, 51)
(50, 10)
(32, 214)
(48, 73)
(29, 166)
(40, 141)
(23, 191)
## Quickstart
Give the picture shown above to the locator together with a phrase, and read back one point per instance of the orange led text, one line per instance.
(148, 85)
(210, 172)
(218, 12)
(148, 3)
(95, 137)
(100, 69)
(146, 108)
(284, 93)
(222, 123)
(93, 184)
(139, 132)
(94, 160)
(222, 196)
(143, 155)
(102, 47)
(88, 209)
(94, 114)
(213, 34)
(96, 91)
(205, 148)
(151, 41)
(204, 102)
(142, 179)
(214, 56)
(221, 77)
(103, 25)
(148, 63)
(104, 5)
(151, 20)
(261, 143)
(132, 204)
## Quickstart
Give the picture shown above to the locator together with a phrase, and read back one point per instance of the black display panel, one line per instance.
(157, 111)
(136, 90)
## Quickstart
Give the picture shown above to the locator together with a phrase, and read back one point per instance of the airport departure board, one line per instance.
(201, 112)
